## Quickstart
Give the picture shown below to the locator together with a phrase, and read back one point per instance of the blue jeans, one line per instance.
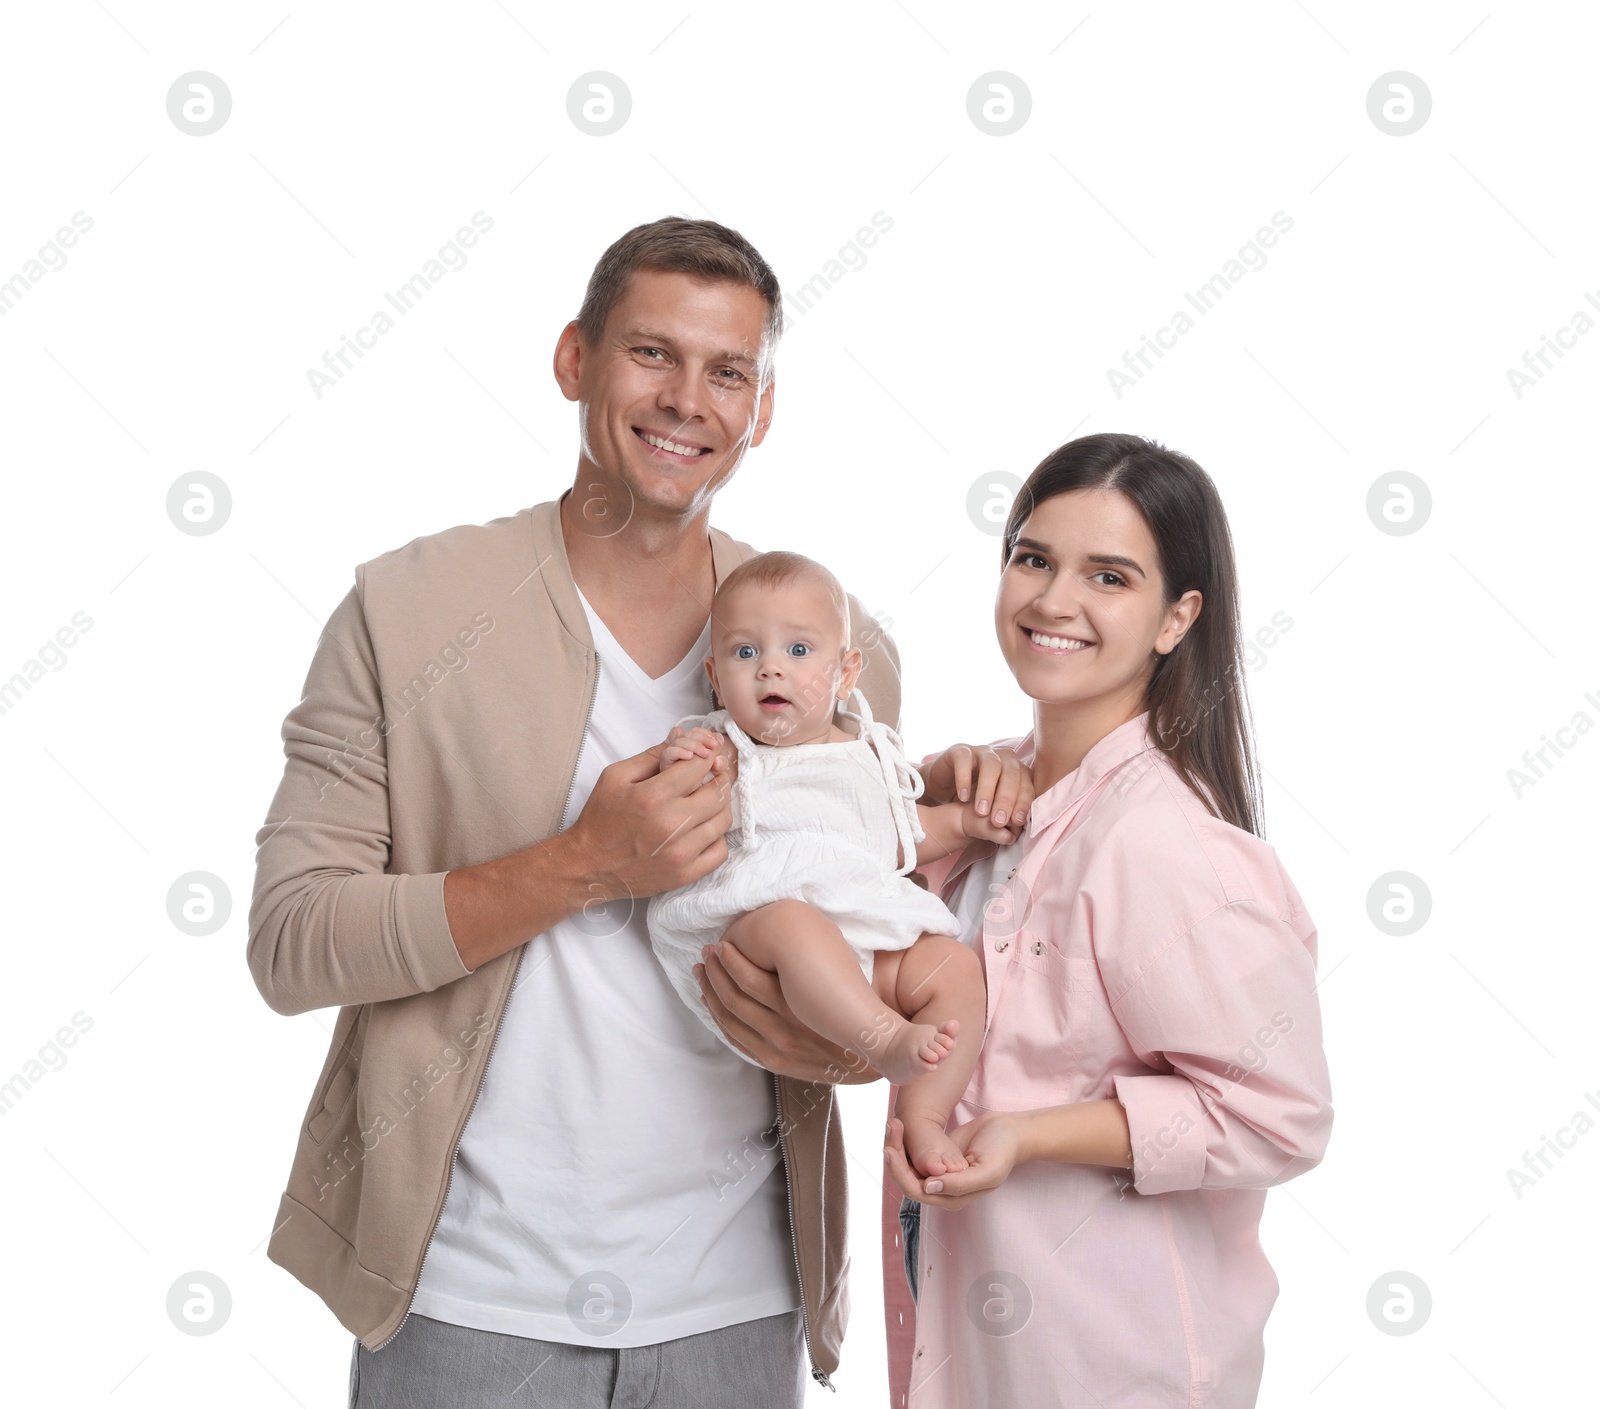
(910, 1239)
(433, 1363)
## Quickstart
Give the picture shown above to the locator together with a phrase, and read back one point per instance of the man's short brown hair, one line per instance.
(674, 245)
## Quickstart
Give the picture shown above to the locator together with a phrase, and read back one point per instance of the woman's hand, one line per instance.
(749, 1007)
(995, 781)
(991, 1144)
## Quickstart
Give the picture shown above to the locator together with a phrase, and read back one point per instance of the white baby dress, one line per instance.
(814, 822)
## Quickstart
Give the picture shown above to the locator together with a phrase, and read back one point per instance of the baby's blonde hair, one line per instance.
(777, 569)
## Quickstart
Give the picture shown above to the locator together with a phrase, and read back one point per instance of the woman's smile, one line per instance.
(1050, 645)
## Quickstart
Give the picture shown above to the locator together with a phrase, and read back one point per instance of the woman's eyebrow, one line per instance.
(1115, 561)
(1112, 559)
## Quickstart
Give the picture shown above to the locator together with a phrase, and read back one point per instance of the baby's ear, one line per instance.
(850, 672)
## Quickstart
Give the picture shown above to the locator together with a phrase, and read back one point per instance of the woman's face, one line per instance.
(1081, 611)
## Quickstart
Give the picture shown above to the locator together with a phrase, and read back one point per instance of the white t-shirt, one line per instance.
(982, 882)
(613, 1185)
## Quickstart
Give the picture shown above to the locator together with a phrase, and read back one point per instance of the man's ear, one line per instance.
(764, 413)
(568, 359)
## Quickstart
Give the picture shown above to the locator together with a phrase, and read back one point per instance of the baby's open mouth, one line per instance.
(772, 701)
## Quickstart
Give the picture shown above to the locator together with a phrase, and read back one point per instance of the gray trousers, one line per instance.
(435, 1365)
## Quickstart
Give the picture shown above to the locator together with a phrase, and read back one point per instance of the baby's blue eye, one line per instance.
(739, 652)
(800, 649)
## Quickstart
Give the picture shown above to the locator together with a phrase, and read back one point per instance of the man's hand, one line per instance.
(749, 1007)
(643, 830)
(995, 781)
(647, 829)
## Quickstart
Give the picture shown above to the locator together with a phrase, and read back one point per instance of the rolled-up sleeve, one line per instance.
(1227, 1016)
(328, 925)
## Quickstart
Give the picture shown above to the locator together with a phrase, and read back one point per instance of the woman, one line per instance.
(1153, 1060)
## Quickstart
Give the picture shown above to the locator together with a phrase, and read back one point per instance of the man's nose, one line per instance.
(683, 394)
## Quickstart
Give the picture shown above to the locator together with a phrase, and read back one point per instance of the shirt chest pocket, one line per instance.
(1041, 1002)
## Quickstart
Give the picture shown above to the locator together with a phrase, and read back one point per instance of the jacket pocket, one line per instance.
(339, 1081)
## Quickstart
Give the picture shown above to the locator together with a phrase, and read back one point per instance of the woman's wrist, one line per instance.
(1085, 1132)
(1029, 1144)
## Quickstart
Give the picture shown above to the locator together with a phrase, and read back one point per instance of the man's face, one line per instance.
(670, 399)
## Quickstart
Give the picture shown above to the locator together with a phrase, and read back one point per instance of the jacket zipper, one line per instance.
(516, 968)
(817, 1373)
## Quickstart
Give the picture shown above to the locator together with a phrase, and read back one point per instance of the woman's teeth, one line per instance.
(1056, 643)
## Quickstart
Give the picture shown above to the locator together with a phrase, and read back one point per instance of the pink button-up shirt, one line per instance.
(1146, 951)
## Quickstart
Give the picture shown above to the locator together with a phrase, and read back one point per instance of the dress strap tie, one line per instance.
(900, 780)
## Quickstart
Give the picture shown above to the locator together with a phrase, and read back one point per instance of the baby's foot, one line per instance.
(915, 1050)
(928, 1148)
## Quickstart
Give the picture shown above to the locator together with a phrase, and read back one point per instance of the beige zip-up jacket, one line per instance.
(440, 727)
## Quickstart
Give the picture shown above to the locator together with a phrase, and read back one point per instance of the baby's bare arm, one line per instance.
(949, 826)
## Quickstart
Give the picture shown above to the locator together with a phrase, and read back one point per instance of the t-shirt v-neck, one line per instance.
(616, 654)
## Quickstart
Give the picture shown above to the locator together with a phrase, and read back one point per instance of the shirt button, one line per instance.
(1000, 945)
(1038, 946)
(920, 1349)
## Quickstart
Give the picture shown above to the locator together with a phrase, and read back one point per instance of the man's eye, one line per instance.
(650, 351)
(734, 373)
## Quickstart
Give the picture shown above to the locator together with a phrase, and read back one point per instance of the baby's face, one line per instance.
(778, 661)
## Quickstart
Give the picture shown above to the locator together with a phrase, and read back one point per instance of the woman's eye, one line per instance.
(744, 652)
(1030, 559)
(1117, 579)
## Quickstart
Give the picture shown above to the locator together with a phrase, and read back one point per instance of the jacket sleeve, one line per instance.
(880, 664)
(1231, 1007)
(328, 924)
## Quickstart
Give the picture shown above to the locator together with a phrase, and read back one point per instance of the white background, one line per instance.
(976, 338)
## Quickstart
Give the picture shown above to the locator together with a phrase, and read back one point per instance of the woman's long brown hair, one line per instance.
(1199, 715)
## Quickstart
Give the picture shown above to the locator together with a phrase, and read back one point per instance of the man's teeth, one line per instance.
(1056, 643)
(670, 446)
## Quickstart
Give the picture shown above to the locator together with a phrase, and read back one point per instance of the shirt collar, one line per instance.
(1125, 742)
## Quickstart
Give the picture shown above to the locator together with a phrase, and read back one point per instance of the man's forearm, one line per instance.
(497, 905)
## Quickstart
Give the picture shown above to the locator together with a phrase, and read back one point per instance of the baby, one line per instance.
(825, 829)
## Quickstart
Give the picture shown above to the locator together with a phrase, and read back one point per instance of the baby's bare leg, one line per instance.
(824, 986)
(938, 980)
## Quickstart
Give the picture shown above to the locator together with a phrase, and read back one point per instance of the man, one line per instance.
(526, 1166)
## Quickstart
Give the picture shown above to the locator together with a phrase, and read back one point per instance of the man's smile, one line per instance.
(674, 448)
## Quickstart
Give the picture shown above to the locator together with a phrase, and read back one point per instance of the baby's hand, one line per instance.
(982, 827)
(695, 743)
